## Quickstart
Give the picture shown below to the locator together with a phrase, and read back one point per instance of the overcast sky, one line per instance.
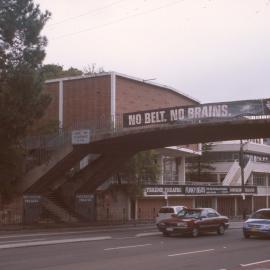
(212, 50)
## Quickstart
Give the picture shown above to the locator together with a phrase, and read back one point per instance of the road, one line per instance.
(133, 249)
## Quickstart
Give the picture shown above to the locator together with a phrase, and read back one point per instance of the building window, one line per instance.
(259, 179)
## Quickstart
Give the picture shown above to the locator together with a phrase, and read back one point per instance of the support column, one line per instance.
(235, 207)
(162, 170)
(61, 104)
(182, 170)
(215, 202)
(267, 190)
(193, 202)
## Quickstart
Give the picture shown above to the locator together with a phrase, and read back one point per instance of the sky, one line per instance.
(211, 50)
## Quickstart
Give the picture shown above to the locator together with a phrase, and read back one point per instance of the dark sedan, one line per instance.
(258, 224)
(193, 221)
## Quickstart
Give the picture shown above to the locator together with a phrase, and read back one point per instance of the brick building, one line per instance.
(99, 101)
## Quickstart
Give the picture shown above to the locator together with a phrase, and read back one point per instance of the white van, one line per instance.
(167, 212)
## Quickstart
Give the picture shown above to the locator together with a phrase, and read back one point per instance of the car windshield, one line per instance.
(166, 210)
(189, 213)
(261, 215)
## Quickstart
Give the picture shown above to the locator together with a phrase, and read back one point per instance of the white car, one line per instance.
(166, 212)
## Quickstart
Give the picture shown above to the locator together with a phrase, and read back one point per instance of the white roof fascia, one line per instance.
(79, 77)
(156, 84)
(124, 76)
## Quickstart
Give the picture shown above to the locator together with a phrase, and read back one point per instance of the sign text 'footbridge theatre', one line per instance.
(160, 190)
(203, 111)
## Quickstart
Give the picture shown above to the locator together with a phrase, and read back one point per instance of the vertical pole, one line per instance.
(267, 190)
(241, 163)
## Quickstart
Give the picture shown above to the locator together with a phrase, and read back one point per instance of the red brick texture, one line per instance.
(134, 96)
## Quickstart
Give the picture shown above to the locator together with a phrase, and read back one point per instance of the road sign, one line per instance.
(81, 136)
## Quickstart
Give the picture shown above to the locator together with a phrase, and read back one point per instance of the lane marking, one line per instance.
(191, 252)
(71, 232)
(106, 249)
(259, 262)
(19, 241)
(148, 234)
(53, 242)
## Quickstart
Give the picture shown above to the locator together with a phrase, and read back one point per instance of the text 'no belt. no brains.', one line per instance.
(176, 114)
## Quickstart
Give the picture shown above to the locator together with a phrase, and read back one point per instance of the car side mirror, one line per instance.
(202, 217)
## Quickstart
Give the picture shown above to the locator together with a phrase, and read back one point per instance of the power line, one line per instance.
(95, 11)
(119, 20)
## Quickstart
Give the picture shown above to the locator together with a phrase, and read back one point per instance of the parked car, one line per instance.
(258, 224)
(194, 221)
(166, 212)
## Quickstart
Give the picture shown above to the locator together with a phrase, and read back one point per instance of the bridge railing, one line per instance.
(41, 147)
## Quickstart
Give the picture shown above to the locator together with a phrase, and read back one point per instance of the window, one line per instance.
(165, 210)
(259, 179)
(262, 215)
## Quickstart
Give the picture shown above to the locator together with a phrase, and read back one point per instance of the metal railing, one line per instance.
(40, 148)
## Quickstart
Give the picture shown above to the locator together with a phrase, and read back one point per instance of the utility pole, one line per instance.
(242, 165)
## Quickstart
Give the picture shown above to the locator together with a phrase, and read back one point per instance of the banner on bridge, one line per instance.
(204, 111)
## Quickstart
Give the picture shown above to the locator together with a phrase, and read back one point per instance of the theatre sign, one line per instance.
(203, 111)
(161, 190)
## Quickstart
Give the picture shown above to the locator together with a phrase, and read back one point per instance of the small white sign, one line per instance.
(81, 136)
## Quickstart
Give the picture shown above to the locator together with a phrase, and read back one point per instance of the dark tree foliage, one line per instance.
(199, 168)
(22, 50)
(52, 71)
(141, 169)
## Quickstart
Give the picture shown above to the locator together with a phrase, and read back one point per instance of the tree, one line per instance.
(52, 71)
(199, 168)
(141, 169)
(22, 50)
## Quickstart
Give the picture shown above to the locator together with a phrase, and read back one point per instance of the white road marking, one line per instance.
(64, 233)
(147, 234)
(191, 252)
(19, 241)
(249, 264)
(106, 249)
(53, 242)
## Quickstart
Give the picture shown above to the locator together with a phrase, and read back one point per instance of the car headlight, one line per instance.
(266, 227)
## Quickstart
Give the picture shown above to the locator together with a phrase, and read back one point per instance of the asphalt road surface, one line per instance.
(132, 249)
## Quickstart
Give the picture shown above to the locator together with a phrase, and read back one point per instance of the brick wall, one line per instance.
(134, 96)
(86, 100)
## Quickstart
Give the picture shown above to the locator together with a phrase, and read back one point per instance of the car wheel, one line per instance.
(195, 232)
(246, 235)
(167, 234)
(221, 230)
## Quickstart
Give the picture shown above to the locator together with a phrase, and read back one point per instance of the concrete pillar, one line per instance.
(267, 190)
(218, 178)
(193, 202)
(136, 209)
(235, 206)
(215, 203)
(182, 170)
(162, 170)
(252, 204)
